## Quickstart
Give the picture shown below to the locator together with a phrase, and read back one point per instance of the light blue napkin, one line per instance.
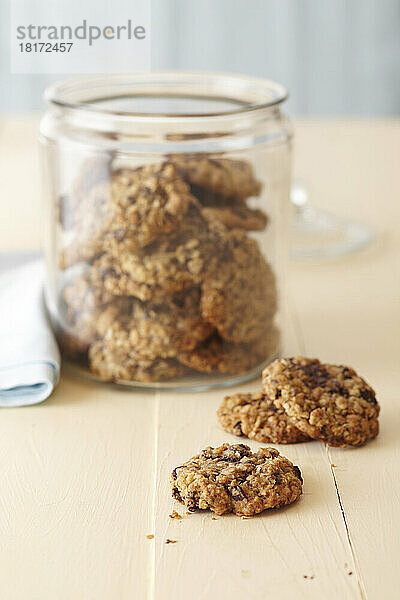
(29, 355)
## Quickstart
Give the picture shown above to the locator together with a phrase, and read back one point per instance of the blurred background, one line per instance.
(337, 57)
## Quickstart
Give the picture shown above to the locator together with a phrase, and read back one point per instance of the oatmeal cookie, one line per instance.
(167, 328)
(229, 178)
(169, 265)
(134, 206)
(327, 402)
(231, 478)
(214, 355)
(256, 417)
(239, 297)
(113, 359)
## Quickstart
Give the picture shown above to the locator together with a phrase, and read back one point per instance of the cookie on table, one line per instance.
(231, 478)
(327, 402)
(113, 359)
(222, 176)
(136, 205)
(215, 355)
(255, 416)
(239, 297)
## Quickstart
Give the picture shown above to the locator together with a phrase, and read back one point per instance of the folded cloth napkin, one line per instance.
(29, 355)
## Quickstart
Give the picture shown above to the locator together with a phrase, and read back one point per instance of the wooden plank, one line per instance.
(76, 495)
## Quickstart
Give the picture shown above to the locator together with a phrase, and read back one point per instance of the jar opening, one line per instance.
(167, 94)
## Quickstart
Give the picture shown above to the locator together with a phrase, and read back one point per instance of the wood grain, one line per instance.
(76, 495)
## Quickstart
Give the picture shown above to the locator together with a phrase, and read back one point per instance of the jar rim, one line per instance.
(81, 93)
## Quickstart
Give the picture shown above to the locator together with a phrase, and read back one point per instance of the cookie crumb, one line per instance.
(308, 576)
(214, 519)
(332, 465)
(168, 541)
(150, 536)
(350, 573)
(175, 515)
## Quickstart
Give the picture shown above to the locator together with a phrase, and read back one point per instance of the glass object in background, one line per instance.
(167, 198)
(316, 234)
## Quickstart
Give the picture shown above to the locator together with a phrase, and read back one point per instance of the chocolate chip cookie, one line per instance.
(231, 478)
(256, 417)
(327, 402)
(239, 296)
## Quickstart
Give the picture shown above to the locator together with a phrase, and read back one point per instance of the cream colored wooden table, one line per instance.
(84, 477)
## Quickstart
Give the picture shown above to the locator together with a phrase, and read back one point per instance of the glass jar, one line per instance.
(167, 197)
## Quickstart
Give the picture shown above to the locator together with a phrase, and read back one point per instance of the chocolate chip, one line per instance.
(297, 472)
(346, 373)
(277, 477)
(339, 389)
(315, 373)
(368, 395)
(237, 494)
(235, 453)
(192, 502)
(176, 494)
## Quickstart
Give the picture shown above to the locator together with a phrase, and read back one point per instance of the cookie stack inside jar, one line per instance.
(161, 275)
